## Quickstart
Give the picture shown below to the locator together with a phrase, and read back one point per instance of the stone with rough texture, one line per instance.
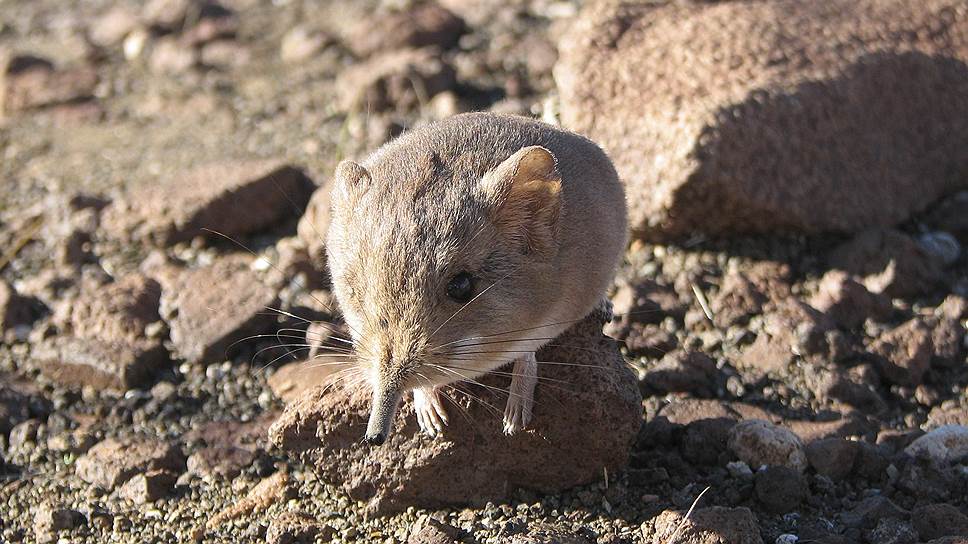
(832, 457)
(943, 445)
(314, 224)
(233, 198)
(14, 309)
(116, 312)
(28, 82)
(290, 381)
(758, 443)
(148, 487)
(49, 520)
(889, 261)
(210, 308)
(424, 24)
(866, 514)
(730, 117)
(714, 525)
(583, 425)
(692, 372)
(76, 361)
(219, 462)
(939, 520)
(395, 80)
(847, 301)
(112, 462)
(780, 489)
(297, 528)
(904, 353)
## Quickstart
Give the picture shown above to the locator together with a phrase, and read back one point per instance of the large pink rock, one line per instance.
(727, 117)
(587, 414)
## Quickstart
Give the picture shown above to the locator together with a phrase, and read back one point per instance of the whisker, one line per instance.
(469, 302)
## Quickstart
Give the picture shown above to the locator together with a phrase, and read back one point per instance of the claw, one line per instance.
(431, 416)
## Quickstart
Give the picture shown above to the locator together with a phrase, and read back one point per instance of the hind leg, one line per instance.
(520, 406)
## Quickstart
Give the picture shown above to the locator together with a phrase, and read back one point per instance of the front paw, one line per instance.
(431, 415)
(517, 413)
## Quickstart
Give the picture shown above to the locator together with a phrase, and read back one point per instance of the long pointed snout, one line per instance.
(382, 410)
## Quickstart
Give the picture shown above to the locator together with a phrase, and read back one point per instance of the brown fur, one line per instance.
(536, 214)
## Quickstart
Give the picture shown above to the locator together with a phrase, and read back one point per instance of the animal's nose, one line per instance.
(375, 439)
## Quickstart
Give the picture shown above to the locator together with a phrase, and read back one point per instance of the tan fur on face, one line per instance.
(534, 213)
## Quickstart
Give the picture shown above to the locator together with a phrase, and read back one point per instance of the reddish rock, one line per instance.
(577, 431)
(948, 341)
(954, 307)
(904, 353)
(939, 520)
(687, 372)
(219, 462)
(28, 82)
(116, 312)
(297, 528)
(870, 510)
(233, 198)
(738, 300)
(944, 445)
(148, 487)
(423, 24)
(685, 411)
(49, 520)
(113, 462)
(712, 525)
(78, 361)
(15, 309)
(395, 80)
(890, 262)
(948, 414)
(848, 302)
(758, 443)
(847, 388)
(722, 120)
(250, 435)
(648, 340)
(291, 381)
(314, 225)
(780, 489)
(850, 425)
(791, 329)
(832, 457)
(210, 308)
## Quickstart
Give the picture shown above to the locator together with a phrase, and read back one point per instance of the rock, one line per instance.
(576, 431)
(148, 487)
(942, 245)
(210, 308)
(213, 22)
(893, 531)
(172, 57)
(738, 299)
(113, 462)
(710, 110)
(15, 310)
(225, 54)
(16, 402)
(948, 414)
(939, 520)
(847, 301)
(705, 440)
(297, 528)
(271, 490)
(167, 14)
(649, 340)
(780, 489)
(423, 24)
(713, 525)
(832, 457)
(117, 312)
(791, 329)
(872, 462)
(292, 380)
(904, 353)
(49, 520)
(689, 372)
(890, 262)
(233, 198)
(759, 443)
(219, 462)
(549, 533)
(21, 433)
(433, 531)
(398, 80)
(301, 43)
(314, 225)
(120, 366)
(948, 340)
(642, 301)
(949, 215)
(111, 28)
(845, 387)
(250, 435)
(867, 513)
(928, 480)
(943, 445)
(28, 82)
(950, 540)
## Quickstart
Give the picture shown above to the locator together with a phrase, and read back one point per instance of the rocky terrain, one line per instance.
(787, 362)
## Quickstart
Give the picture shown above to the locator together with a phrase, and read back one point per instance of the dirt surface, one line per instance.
(815, 385)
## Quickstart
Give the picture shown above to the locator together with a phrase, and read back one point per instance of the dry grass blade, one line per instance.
(682, 524)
